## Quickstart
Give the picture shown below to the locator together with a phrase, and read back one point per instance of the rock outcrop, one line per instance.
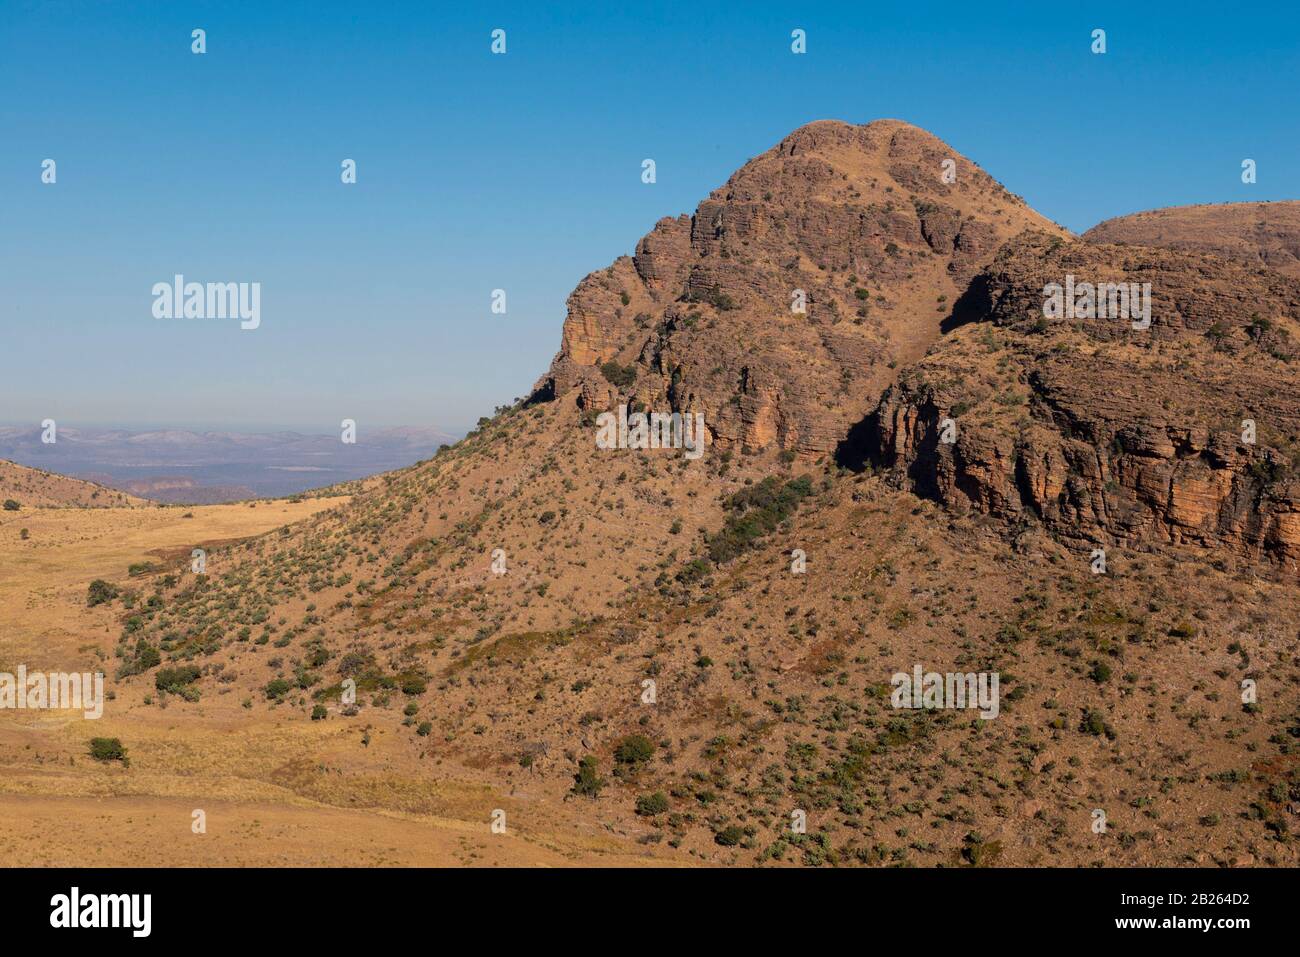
(1187, 432)
(858, 226)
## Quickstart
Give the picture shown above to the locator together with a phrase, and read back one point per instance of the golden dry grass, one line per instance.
(277, 789)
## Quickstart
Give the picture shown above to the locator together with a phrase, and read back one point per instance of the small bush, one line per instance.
(648, 805)
(107, 749)
(729, 836)
(1094, 723)
(100, 592)
(621, 377)
(634, 749)
(413, 685)
(977, 852)
(174, 680)
(587, 781)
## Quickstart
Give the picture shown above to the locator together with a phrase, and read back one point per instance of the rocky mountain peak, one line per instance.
(785, 302)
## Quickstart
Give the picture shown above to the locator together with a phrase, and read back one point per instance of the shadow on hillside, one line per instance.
(857, 449)
(543, 393)
(971, 306)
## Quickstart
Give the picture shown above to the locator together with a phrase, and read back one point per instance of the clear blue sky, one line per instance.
(519, 171)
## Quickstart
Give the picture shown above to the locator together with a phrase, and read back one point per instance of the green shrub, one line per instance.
(621, 377)
(693, 571)
(648, 805)
(318, 713)
(722, 302)
(11, 505)
(729, 836)
(634, 749)
(100, 592)
(1094, 723)
(413, 685)
(107, 749)
(277, 689)
(587, 781)
(174, 680)
(978, 852)
(754, 512)
(144, 657)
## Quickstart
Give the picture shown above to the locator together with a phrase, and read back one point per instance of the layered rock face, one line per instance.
(1185, 432)
(780, 308)
(923, 300)
(1263, 234)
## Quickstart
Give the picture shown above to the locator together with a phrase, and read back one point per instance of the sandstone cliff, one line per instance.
(1107, 433)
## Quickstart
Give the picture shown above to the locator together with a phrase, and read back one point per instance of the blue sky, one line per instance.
(520, 171)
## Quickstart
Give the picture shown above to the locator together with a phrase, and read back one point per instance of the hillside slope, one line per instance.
(36, 488)
(1257, 234)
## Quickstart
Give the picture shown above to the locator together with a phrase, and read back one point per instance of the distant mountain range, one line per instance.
(179, 466)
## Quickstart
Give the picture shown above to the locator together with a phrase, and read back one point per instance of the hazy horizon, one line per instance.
(264, 428)
(196, 466)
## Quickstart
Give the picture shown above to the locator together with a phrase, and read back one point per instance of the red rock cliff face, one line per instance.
(1105, 433)
(855, 220)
